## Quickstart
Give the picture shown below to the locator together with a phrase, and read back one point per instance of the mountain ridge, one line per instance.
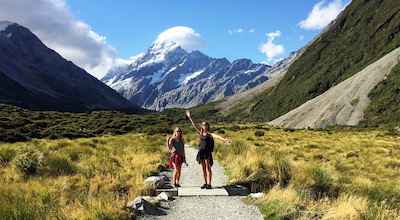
(43, 80)
(167, 76)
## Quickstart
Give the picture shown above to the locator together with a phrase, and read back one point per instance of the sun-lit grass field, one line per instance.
(309, 174)
(90, 178)
(305, 174)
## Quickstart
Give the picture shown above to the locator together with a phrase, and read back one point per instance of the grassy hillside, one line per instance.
(385, 105)
(362, 34)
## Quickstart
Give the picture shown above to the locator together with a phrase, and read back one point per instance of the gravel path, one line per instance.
(205, 207)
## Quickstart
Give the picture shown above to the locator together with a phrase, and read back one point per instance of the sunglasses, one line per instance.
(179, 131)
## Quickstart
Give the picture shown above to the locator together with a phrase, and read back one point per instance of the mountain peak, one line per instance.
(163, 46)
(4, 25)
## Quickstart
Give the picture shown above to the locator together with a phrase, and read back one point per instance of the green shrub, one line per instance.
(57, 165)
(282, 169)
(28, 163)
(259, 133)
(393, 165)
(6, 155)
(351, 154)
(323, 183)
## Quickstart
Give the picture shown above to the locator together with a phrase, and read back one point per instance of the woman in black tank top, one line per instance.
(206, 146)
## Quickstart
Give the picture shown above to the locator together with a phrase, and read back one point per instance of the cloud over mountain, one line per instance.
(186, 37)
(53, 22)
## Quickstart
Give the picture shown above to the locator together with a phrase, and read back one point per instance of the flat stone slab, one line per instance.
(196, 191)
(171, 192)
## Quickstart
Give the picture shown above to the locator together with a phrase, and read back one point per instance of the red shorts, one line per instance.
(175, 159)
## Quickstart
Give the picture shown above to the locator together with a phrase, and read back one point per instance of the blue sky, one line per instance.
(96, 34)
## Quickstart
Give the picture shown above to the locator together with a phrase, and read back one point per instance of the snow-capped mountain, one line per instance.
(167, 76)
(35, 77)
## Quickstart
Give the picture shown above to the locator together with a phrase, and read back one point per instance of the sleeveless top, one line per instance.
(205, 142)
(177, 147)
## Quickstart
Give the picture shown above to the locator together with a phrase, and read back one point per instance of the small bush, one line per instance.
(28, 163)
(393, 165)
(323, 183)
(234, 128)
(282, 169)
(259, 133)
(351, 154)
(57, 165)
(6, 156)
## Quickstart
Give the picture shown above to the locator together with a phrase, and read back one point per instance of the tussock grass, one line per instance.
(88, 178)
(316, 174)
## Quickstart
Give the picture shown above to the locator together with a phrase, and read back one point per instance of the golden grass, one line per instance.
(344, 174)
(109, 172)
(350, 172)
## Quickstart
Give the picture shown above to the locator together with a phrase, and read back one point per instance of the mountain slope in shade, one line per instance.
(36, 77)
(167, 76)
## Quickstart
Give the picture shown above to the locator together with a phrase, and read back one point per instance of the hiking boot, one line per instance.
(204, 186)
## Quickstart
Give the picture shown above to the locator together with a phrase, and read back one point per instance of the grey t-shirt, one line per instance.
(177, 147)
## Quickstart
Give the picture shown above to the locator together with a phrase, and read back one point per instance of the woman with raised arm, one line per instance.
(177, 146)
(206, 146)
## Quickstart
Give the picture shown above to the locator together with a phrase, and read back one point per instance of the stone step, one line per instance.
(231, 190)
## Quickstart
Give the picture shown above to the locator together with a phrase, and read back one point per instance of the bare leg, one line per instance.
(174, 176)
(208, 167)
(178, 173)
(203, 167)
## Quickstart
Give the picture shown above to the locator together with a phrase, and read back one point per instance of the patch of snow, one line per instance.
(121, 86)
(4, 25)
(157, 77)
(184, 79)
(9, 35)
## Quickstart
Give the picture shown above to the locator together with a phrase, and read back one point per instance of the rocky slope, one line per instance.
(343, 104)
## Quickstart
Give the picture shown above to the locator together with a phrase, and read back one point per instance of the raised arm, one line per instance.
(226, 140)
(169, 142)
(191, 121)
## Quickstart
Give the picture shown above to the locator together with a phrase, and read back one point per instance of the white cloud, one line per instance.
(56, 27)
(270, 49)
(322, 14)
(186, 37)
(241, 30)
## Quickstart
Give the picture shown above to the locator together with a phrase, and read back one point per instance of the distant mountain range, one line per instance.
(167, 76)
(37, 78)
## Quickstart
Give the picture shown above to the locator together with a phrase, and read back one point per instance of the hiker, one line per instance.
(177, 146)
(206, 146)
